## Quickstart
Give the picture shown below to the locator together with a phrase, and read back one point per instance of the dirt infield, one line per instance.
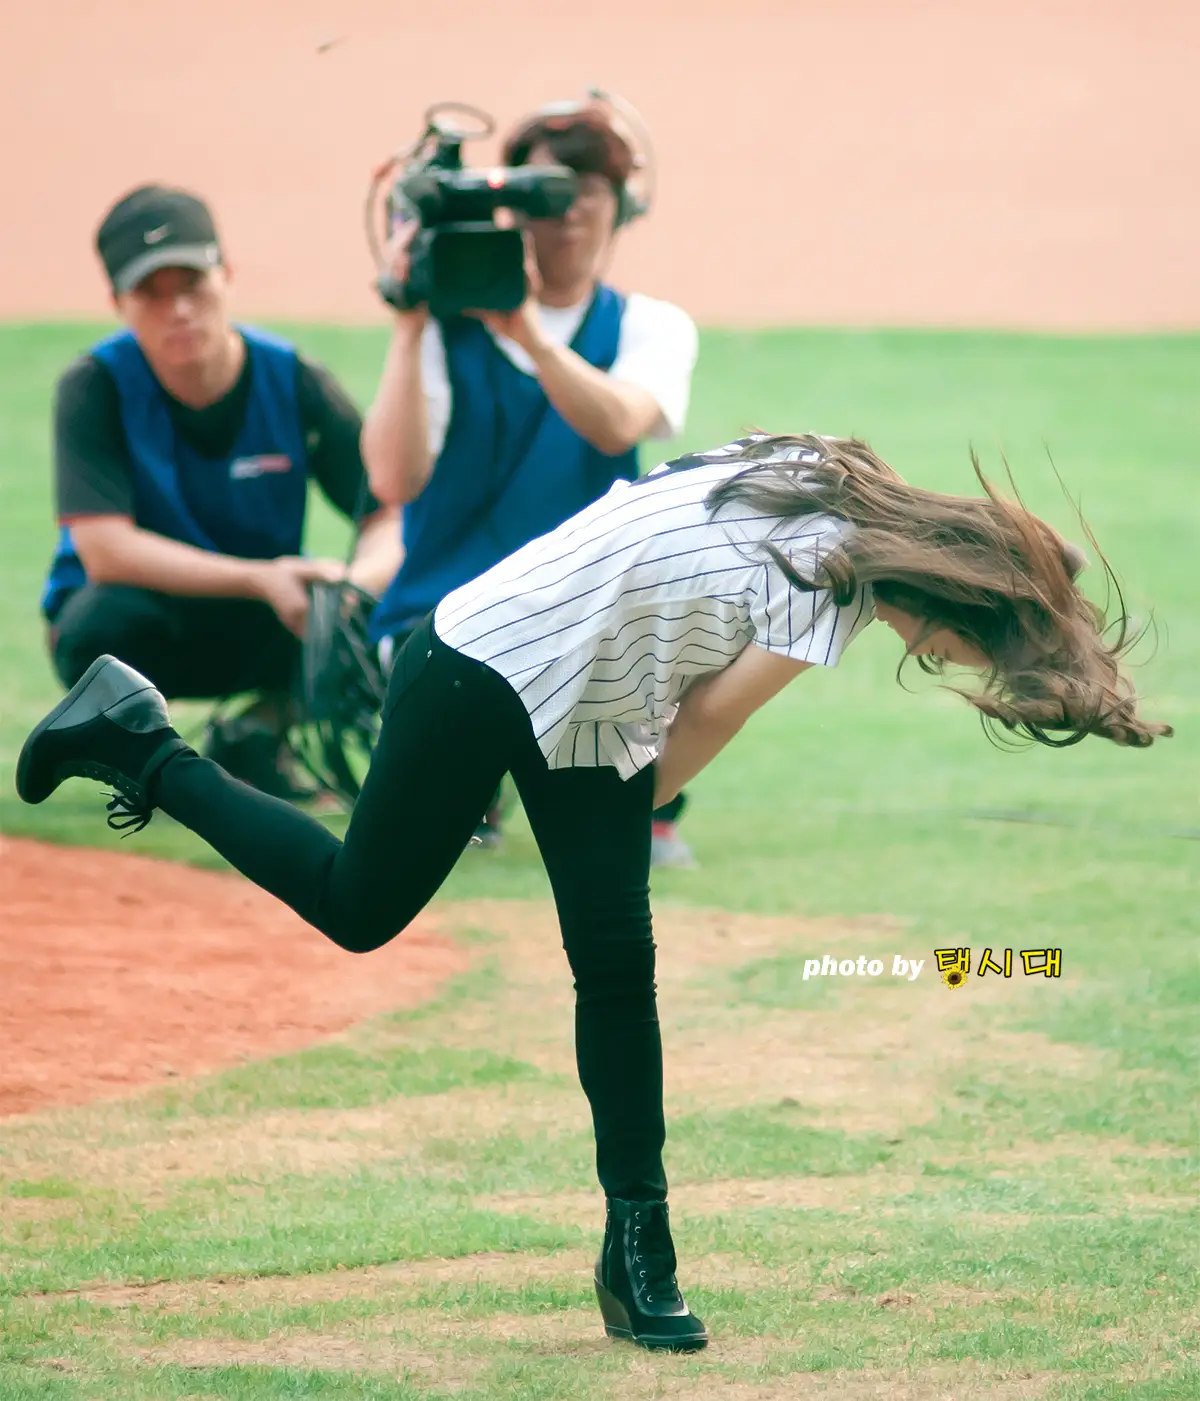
(119, 971)
(1026, 163)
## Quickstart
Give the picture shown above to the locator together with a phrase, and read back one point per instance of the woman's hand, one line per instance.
(713, 710)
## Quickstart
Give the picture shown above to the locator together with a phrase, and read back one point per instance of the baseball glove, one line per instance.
(339, 690)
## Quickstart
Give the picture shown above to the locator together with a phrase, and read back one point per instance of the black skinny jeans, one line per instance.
(669, 812)
(452, 728)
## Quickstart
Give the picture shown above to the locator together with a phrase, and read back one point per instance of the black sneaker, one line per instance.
(111, 726)
(635, 1280)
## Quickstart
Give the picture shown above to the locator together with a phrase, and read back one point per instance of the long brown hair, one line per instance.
(985, 568)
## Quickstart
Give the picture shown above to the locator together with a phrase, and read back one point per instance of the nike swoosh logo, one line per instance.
(156, 235)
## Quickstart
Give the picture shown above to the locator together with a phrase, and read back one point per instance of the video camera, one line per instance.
(460, 259)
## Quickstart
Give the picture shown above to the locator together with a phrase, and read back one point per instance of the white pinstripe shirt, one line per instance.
(601, 625)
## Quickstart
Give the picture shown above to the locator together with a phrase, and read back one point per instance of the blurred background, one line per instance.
(1024, 164)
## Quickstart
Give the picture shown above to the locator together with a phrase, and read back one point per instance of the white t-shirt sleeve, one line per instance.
(808, 627)
(435, 375)
(657, 350)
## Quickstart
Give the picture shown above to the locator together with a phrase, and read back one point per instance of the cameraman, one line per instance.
(492, 429)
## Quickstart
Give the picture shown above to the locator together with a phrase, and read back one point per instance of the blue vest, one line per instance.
(250, 504)
(511, 469)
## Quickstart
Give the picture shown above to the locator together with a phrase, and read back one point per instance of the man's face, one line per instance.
(180, 316)
(574, 247)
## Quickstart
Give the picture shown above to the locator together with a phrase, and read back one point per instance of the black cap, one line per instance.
(155, 227)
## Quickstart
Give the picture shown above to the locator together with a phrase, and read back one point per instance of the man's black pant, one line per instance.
(451, 729)
(191, 648)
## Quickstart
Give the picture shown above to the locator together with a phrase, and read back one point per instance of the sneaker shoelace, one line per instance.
(654, 1260)
(125, 815)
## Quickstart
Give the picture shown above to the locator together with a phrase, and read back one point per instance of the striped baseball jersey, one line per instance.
(601, 625)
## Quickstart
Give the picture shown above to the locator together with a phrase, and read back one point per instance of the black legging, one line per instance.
(451, 729)
(668, 812)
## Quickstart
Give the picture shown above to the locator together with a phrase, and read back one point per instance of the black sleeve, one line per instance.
(331, 428)
(93, 469)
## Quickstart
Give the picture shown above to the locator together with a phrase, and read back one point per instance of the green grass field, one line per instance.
(882, 1189)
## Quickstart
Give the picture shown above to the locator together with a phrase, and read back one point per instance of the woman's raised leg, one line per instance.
(449, 730)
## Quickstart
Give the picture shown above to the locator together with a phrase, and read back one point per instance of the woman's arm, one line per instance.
(713, 710)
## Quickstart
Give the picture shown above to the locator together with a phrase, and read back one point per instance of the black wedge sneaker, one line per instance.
(111, 726)
(635, 1280)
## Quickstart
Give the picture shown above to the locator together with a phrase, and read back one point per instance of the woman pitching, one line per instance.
(603, 666)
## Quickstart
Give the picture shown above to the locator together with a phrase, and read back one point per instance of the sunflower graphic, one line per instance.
(955, 977)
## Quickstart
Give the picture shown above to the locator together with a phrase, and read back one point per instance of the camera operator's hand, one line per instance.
(522, 326)
(396, 266)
